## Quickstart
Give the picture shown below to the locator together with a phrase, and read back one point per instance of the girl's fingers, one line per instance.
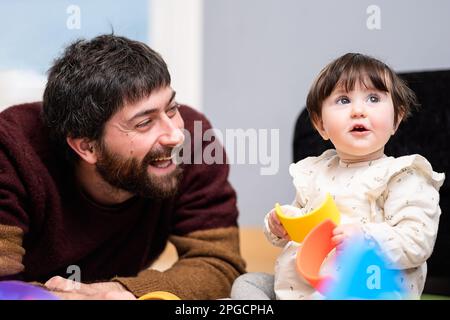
(338, 239)
(273, 217)
(275, 226)
(337, 231)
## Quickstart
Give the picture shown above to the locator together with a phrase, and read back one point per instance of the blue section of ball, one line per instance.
(363, 272)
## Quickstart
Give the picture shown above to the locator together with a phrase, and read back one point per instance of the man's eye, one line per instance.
(373, 98)
(343, 100)
(172, 111)
(144, 123)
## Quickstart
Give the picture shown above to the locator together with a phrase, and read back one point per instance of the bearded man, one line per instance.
(88, 181)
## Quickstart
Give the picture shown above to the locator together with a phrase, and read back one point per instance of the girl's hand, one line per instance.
(344, 232)
(276, 227)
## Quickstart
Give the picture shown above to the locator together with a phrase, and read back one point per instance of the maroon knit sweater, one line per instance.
(43, 212)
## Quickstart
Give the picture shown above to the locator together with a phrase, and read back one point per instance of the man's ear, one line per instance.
(318, 125)
(84, 148)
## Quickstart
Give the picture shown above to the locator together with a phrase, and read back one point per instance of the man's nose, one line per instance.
(171, 134)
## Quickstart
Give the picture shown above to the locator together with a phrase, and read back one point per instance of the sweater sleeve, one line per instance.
(13, 220)
(209, 261)
(204, 228)
(412, 214)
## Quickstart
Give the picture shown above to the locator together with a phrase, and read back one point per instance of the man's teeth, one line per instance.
(162, 162)
(163, 159)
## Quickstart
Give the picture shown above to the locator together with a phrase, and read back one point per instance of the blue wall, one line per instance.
(33, 33)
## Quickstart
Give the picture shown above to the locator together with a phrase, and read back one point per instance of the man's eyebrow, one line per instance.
(147, 112)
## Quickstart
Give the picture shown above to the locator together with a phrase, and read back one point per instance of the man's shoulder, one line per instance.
(191, 116)
(18, 111)
(22, 118)
(21, 129)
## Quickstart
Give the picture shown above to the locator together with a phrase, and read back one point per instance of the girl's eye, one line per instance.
(373, 98)
(343, 100)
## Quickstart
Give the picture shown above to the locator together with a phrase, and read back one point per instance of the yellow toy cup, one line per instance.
(159, 295)
(299, 227)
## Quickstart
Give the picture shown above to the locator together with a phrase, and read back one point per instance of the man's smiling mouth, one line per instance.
(162, 162)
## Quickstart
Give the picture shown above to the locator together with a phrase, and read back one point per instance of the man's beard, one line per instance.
(131, 175)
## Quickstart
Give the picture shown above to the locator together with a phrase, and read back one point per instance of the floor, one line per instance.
(259, 254)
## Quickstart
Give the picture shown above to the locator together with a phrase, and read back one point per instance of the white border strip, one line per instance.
(176, 32)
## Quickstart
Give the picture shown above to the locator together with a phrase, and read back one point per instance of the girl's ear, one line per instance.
(396, 125)
(318, 125)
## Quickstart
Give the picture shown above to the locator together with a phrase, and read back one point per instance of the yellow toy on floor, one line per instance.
(159, 295)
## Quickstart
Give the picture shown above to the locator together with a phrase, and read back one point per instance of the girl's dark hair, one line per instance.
(354, 68)
(92, 80)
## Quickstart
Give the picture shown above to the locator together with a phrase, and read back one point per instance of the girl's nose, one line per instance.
(358, 110)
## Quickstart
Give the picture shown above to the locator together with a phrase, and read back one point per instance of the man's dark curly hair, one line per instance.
(94, 79)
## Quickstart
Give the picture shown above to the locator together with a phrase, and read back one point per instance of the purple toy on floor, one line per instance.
(17, 290)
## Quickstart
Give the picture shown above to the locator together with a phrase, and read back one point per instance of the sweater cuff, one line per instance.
(148, 281)
(11, 250)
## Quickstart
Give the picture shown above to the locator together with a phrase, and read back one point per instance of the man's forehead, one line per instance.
(157, 100)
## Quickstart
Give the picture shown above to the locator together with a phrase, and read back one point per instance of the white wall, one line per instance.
(176, 32)
(20, 86)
